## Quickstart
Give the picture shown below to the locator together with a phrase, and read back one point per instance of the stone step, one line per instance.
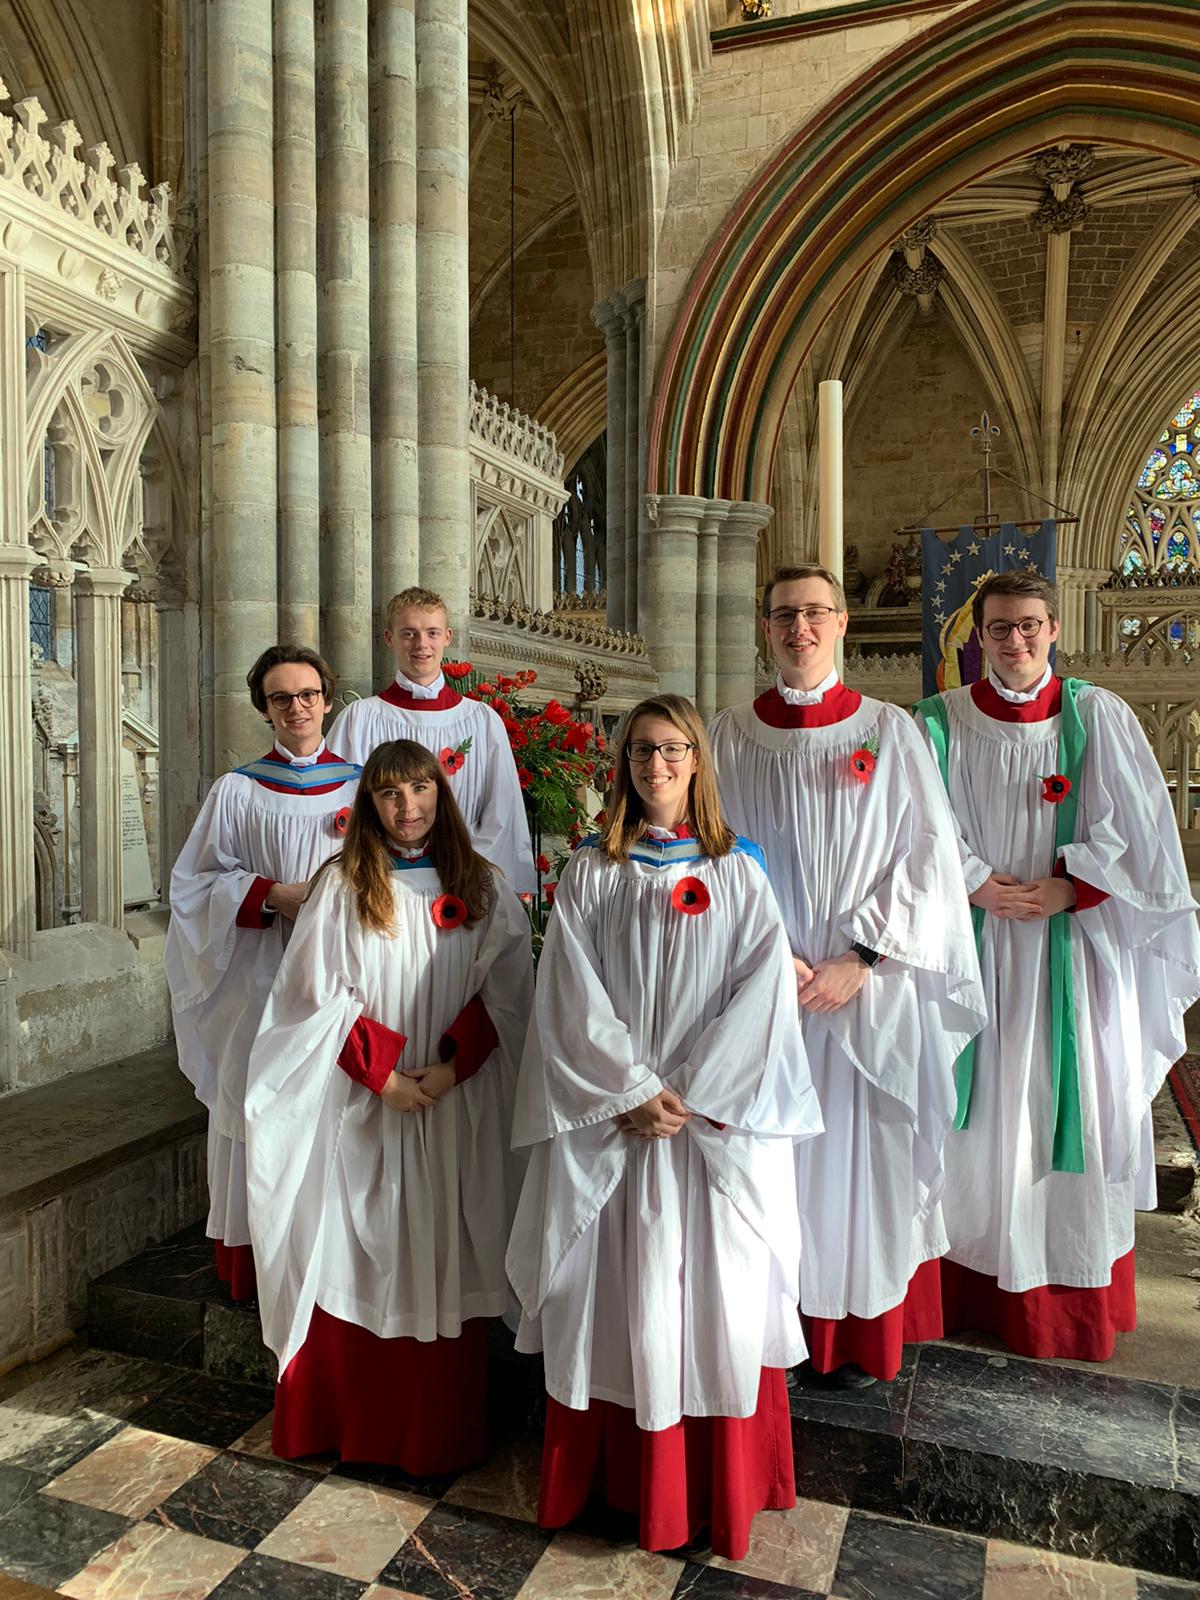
(1073, 1459)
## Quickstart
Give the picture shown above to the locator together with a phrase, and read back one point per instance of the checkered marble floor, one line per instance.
(124, 1480)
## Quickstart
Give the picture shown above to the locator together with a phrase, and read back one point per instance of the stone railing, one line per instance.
(84, 190)
(514, 434)
(558, 625)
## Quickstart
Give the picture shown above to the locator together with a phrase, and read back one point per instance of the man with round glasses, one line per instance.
(236, 888)
(862, 855)
(1090, 953)
(467, 736)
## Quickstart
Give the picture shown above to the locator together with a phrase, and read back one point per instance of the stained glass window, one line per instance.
(1162, 522)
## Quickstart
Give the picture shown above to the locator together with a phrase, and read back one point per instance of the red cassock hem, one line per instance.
(417, 1405)
(1055, 1320)
(235, 1266)
(705, 1472)
(876, 1344)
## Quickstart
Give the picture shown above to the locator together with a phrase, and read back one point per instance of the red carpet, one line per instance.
(1184, 1078)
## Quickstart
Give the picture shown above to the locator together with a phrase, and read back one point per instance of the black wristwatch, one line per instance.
(869, 958)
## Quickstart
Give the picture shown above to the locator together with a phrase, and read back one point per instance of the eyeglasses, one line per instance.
(815, 616)
(641, 751)
(307, 698)
(1028, 628)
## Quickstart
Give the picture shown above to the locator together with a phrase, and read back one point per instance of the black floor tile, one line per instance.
(882, 1559)
(847, 1466)
(1149, 1588)
(393, 1478)
(48, 1426)
(17, 1484)
(881, 1408)
(156, 1326)
(718, 1583)
(454, 1553)
(233, 1346)
(46, 1540)
(237, 1499)
(265, 1578)
(182, 1267)
(206, 1410)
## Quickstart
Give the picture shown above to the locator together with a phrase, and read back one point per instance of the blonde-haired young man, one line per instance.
(467, 736)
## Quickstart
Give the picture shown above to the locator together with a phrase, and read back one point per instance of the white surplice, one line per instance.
(219, 974)
(486, 786)
(661, 1274)
(396, 1222)
(1136, 968)
(875, 863)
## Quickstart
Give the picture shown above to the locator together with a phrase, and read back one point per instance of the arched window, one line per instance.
(1162, 524)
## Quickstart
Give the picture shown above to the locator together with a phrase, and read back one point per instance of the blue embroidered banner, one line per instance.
(951, 571)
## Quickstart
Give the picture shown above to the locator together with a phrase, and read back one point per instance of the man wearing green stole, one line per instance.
(1090, 955)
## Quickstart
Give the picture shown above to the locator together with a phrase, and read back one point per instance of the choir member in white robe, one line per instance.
(378, 1112)
(862, 854)
(236, 886)
(1041, 1186)
(663, 1086)
(468, 737)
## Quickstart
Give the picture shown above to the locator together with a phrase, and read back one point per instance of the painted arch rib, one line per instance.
(971, 94)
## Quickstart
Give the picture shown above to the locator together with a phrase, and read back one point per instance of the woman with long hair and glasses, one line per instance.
(662, 1089)
(377, 1115)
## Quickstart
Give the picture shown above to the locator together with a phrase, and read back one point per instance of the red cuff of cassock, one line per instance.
(470, 1040)
(253, 912)
(370, 1053)
(1086, 895)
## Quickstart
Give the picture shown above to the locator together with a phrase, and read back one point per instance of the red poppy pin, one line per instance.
(341, 820)
(862, 761)
(1056, 788)
(453, 760)
(448, 911)
(691, 896)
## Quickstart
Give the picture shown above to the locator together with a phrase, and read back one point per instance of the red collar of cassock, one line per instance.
(1047, 704)
(323, 759)
(445, 700)
(836, 705)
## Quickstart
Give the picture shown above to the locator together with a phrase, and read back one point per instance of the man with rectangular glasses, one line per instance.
(862, 855)
(236, 888)
(1090, 955)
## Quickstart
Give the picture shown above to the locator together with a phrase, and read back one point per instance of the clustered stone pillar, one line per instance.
(443, 321)
(634, 298)
(331, 167)
(241, 344)
(621, 319)
(607, 317)
(98, 592)
(698, 563)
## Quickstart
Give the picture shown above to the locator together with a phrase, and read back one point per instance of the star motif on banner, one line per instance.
(973, 548)
(939, 616)
(940, 585)
(1010, 549)
(955, 558)
(1023, 554)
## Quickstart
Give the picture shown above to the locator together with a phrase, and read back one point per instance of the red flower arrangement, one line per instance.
(691, 896)
(448, 911)
(341, 820)
(1056, 788)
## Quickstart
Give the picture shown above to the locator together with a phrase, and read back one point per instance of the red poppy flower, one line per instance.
(862, 765)
(484, 691)
(448, 911)
(525, 899)
(524, 777)
(451, 760)
(1056, 788)
(505, 683)
(548, 892)
(341, 820)
(498, 703)
(543, 864)
(456, 669)
(516, 736)
(600, 819)
(559, 715)
(576, 739)
(690, 896)
(601, 743)
(610, 777)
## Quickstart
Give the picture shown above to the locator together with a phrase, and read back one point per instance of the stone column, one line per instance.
(395, 481)
(296, 323)
(241, 345)
(344, 339)
(670, 564)
(633, 297)
(18, 913)
(736, 552)
(706, 606)
(607, 317)
(443, 304)
(98, 592)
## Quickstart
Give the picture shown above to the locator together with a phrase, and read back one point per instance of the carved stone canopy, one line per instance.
(1061, 216)
(1065, 166)
(921, 281)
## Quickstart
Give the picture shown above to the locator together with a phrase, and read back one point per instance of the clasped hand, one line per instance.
(660, 1117)
(1005, 896)
(417, 1088)
(828, 985)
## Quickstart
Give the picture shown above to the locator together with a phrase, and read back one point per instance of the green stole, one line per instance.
(1064, 1043)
